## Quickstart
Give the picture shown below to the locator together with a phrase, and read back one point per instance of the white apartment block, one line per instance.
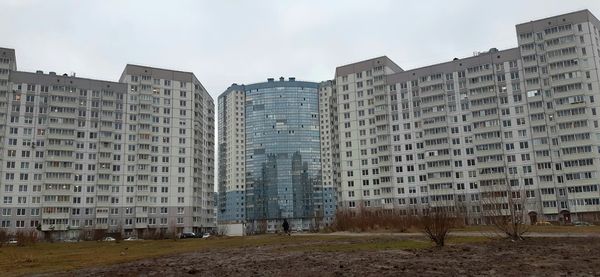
(170, 164)
(327, 113)
(8, 63)
(445, 134)
(232, 155)
(362, 132)
(134, 156)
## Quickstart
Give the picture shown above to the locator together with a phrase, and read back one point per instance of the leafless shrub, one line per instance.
(118, 237)
(161, 234)
(154, 234)
(261, 226)
(505, 210)
(85, 234)
(98, 234)
(361, 220)
(26, 237)
(436, 222)
(146, 233)
(3, 237)
(173, 233)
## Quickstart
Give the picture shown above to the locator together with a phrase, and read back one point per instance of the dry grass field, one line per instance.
(55, 257)
(349, 254)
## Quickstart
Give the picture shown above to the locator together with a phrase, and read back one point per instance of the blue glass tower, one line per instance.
(283, 165)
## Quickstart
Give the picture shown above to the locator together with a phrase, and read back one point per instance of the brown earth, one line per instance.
(353, 257)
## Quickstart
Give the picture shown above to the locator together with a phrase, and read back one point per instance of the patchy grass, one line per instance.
(369, 245)
(467, 240)
(539, 229)
(52, 257)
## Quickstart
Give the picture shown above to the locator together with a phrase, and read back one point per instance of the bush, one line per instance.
(154, 234)
(436, 223)
(372, 220)
(99, 234)
(118, 236)
(85, 235)
(3, 237)
(505, 209)
(26, 237)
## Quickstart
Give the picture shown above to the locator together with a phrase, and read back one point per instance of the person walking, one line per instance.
(286, 227)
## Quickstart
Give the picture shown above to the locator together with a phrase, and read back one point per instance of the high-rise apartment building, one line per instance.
(520, 122)
(60, 139)
(327, 121)
(270, 156)
(362, 124)
(169, 156)
(134, 156)
(450, 134)
(8, 62)
(232, 157)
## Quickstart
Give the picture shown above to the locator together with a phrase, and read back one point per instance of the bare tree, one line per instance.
(173, 230)
(505, 209)
(261, 226)
(3, 236)
(436, 222)
(99, 234)
(26, 237)
(118, 233)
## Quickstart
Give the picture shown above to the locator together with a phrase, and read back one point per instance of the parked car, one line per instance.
(188, 235)
(206, 235)
(109, 239)
(132, 239)
(582, 223)
(543, 223)
(12, 241)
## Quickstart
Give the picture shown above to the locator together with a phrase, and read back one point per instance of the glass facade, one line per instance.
(283, 153)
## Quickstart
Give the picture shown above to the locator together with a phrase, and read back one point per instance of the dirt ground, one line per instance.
(532, 257)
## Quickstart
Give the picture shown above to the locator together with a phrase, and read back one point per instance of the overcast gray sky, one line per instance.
(226, 42)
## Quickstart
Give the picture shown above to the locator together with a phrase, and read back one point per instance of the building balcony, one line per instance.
(104, 182)
(569, 118)
(486, 117)
(435, 158)
(488, 164)
(68, 169)
(423, 94)
(491, 128)
(482, 106)
(55, 215)
(437, 135)
(562, 82)
(491, 176)
(105, 170)
(562, 45)
(433, 103)
(60, 158)
(435, 113)
(60, 147)
(60, 136)
(55, 227)
(436, 124)
(64, 180)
